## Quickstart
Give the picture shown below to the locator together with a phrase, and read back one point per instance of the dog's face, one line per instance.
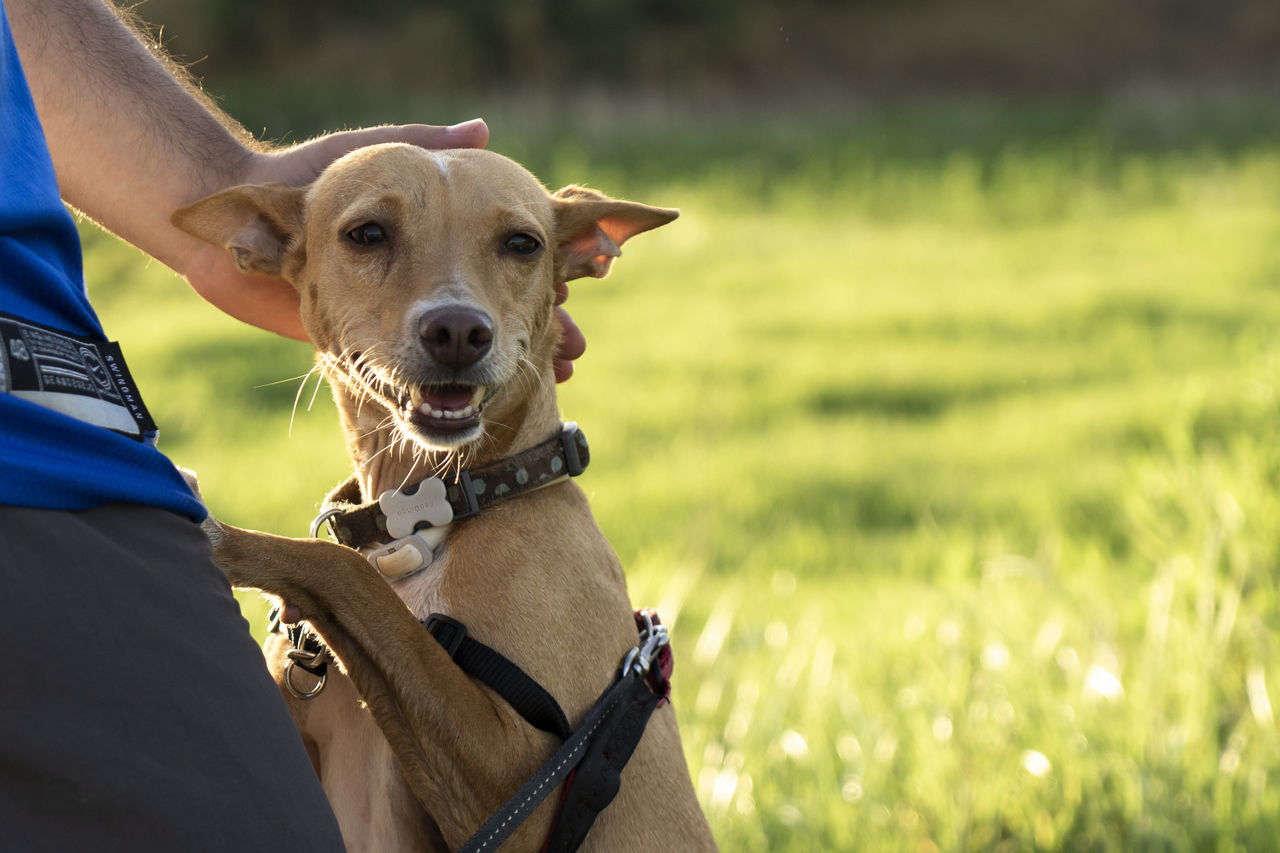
(427, 278)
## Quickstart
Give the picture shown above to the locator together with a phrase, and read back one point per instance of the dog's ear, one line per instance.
(591, 228)
(259, 225)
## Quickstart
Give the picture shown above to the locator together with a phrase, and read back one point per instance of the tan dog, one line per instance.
(428, 281)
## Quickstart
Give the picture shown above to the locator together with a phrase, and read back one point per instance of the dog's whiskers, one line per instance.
(288, 379)
(377, 373)
(293, 413)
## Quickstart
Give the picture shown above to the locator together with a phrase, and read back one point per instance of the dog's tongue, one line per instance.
(447, 397)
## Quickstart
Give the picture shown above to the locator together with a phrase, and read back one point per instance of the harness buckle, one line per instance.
(651, 659)
(653, 639)
(448, 632)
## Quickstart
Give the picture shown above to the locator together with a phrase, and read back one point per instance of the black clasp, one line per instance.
(468, 492)
(448, 632)
(570, 438)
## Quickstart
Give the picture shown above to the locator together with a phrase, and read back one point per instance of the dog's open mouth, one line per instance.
(434, 412)
(444, 408)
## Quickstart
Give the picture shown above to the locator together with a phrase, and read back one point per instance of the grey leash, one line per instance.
(553, 771)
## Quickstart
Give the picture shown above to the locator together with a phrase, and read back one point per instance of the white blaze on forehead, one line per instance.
(442, 163)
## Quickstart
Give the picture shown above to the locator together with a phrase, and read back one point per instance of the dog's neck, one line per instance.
(384, 459)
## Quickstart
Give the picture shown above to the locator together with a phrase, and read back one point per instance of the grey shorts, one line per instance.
(135, 710)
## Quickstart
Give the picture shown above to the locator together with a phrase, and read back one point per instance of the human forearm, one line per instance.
(133, 139)
(129, 141)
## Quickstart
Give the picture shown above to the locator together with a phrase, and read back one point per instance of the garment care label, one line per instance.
(79, 377)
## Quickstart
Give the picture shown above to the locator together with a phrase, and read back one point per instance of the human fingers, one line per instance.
(572, 345)
(467, 134)
(268, 303)
(300, 164)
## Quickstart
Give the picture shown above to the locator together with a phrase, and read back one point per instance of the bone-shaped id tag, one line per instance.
(412, 550)
(404, 511)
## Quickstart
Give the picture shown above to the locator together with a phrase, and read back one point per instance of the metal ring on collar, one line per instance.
(321, 519)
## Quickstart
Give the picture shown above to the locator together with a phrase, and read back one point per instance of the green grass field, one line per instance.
(945, 439)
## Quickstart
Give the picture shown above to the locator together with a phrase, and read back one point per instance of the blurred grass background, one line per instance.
(940, 425)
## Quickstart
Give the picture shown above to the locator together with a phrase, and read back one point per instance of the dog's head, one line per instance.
(427, 278)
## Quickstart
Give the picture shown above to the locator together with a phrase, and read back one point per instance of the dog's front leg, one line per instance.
(461, 751)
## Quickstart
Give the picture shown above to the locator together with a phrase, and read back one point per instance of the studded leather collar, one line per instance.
(357, 523)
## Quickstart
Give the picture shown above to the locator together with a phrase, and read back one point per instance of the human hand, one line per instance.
(301, 164)
(131, 148)
(572, 342)
(270, 303)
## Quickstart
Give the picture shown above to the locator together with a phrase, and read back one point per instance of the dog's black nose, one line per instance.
(456, 336)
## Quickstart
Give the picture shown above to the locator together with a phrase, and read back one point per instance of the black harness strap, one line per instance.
(492, 669)
(598, 776)
(553, 771)
(592, 757)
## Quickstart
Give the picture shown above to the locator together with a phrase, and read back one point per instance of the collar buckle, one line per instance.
(468, 492)
(570, 438)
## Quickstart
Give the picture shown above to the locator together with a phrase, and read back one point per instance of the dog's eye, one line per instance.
(522, 244)
(368, 234)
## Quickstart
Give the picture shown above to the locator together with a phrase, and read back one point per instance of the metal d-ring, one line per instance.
(313, 661)
(322, 676)
(321, 519)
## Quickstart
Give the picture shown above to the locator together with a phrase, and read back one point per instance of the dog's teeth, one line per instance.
(471, 409)
(448, 414)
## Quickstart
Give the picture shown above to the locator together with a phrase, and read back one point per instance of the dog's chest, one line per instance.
(422, 591)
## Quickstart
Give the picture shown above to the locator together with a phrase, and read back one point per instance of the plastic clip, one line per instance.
(569, 437)
(403, 557)
(469, 493)
(448, 632)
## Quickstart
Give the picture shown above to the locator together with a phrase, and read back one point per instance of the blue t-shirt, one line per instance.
(48, 459)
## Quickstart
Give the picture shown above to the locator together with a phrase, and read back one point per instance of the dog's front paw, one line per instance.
(193, 482)
(212, 528)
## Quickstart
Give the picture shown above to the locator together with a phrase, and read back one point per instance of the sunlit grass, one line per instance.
(953, 469)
